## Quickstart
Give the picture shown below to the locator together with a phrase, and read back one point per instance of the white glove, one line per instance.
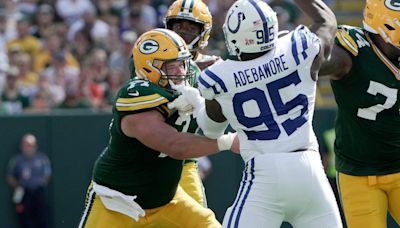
(180, 104)
(190, 97)
(225, 141)
(193, 97)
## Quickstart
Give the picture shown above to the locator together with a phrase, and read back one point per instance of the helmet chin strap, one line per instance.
(194, 41)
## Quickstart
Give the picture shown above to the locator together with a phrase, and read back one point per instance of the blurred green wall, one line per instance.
(73, 141)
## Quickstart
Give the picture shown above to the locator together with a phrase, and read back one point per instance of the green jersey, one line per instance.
(128, 166)
(368, 98)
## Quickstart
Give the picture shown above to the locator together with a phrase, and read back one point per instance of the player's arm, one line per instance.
(150, 129)
(324, 26)
(214, 111)
(344, 50)
(204, 61)
(338, 65)
(207, 111)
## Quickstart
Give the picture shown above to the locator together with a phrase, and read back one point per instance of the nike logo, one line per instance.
(136, 93)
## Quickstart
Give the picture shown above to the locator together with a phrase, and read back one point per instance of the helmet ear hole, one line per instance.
(147, 70)
(390, 28)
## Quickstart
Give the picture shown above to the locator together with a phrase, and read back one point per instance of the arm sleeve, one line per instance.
(210, 128)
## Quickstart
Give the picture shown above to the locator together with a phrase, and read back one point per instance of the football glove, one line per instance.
(181, 105)
(225, 141)
(190, 97)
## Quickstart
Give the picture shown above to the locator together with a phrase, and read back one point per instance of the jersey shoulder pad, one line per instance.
(304, 44)
(137, 94)
(347, 36)
(210, 81)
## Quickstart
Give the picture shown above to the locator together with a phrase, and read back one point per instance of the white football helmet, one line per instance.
(251, 26)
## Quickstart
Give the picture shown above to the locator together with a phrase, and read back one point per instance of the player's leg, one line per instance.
(95, 215)
(394, 197)
(258, 201)
(309, 194)
(251, 215)
(191, 182)
(183, 212)
(364, 204)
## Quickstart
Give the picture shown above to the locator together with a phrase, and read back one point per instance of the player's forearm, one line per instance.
(191, 146)
(338, 65)
(318, 11)
(324, 20)
(324, 23)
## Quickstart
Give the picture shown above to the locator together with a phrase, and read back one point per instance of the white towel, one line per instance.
(119, 202)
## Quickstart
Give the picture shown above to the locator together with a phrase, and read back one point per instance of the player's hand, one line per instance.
(191, 96)
(184, 108)
(204, 63)
(228, 141)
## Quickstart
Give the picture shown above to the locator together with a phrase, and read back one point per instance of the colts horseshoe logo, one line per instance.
(149, 46)
(240, 18)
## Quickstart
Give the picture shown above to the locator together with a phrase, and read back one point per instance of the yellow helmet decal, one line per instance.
(153, 49)
(383, 17)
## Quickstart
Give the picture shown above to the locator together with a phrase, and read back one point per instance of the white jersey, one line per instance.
(270, 100)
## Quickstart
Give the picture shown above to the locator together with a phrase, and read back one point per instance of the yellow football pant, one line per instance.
(182, 212)
(366, 199)
(191, 182)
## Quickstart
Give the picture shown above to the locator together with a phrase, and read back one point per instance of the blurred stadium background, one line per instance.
(61, 62)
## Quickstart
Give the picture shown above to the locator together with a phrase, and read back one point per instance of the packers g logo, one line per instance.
(393, 4)
(149, 46)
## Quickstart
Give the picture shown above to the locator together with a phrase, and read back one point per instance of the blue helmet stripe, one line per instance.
(263, 19)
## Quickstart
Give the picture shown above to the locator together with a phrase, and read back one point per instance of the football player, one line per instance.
(268, 97)
(365, 78)
(135, 180)
(192, 20)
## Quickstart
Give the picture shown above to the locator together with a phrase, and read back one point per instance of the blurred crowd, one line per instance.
(75, 53)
